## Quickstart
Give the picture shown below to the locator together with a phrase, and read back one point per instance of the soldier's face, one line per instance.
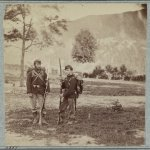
(68, 72)
(38, 65)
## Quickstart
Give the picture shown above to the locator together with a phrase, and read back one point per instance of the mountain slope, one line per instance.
(121, 39)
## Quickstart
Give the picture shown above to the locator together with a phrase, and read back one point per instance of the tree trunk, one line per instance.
(22, 55)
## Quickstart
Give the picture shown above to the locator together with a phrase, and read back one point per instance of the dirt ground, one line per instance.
(97, 124)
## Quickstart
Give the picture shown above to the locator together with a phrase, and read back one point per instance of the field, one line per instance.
(97, 124)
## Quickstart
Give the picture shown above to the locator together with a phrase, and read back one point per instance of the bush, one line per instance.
(85, 75)
(127, 78)
(103, 76)
(116, 78)
(91, 75)
(138, 78)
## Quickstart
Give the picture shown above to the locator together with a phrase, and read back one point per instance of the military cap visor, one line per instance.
(68, 67)
(37, 61)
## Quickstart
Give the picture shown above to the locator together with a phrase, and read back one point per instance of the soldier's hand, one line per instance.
(30, 95)
(61, 95)
(61, 78)
(46, 92)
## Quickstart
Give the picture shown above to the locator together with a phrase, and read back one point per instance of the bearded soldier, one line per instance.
(37, 87)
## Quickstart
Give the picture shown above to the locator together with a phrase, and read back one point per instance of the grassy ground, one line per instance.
(113, 88)
(106, 127)
(96, 123)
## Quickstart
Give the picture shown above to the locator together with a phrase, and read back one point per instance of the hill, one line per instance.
(121, 39)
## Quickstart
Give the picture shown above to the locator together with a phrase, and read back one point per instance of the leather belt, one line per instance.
(36, 86)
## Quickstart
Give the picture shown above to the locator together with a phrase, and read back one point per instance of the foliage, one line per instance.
(97, 71)
(138, 78)
(84, 47)
(109, 68)
(123, 70)
(115, 73)
(55, 28)
(24, 30)
(17, 14)
(85, 75)
(20, 14)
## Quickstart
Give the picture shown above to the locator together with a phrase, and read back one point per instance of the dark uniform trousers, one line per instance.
(67, 108)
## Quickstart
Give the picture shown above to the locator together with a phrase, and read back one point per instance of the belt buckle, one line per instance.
(36, 86)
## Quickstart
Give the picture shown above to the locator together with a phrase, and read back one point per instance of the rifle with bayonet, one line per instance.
(43, 104)
(60, 91)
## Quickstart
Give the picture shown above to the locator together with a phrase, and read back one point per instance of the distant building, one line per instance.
(13, 69)
(54, 71)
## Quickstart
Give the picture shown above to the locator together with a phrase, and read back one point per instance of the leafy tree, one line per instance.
(84, 47)
(115, 70)
(17, 13)
(123, 70)
(109, 68)
(85, 75)
(97, 71)
(20, 14)
(129, 73)
(55, 28)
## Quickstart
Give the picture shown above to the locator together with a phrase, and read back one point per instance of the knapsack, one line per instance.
(32, 68)
(79, 86)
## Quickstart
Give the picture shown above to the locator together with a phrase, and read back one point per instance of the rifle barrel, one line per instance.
(60, 91)
(60, 67)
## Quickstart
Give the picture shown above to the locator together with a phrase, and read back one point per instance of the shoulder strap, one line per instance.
(29, 70)
(38, 75)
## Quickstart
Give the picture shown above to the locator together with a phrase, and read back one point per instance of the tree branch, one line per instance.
(13, 46)
(31, 44)
(29, 28)
(7, 16)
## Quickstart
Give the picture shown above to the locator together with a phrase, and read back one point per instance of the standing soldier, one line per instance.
(37, 87)
(68, 94)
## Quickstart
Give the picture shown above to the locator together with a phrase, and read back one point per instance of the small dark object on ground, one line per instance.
(117, 106)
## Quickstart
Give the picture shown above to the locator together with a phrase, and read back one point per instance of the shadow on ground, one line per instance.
(105, 126)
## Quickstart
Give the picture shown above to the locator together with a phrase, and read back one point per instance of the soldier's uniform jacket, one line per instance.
(36, 81)
(69, 85)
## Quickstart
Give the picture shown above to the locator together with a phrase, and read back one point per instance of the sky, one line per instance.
(68, 11)
(73, 11)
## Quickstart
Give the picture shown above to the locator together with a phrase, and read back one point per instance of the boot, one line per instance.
(43, 119)
(71, 119)
(61, 121)
(35, 117)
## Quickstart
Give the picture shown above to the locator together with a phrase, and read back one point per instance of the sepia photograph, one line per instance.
(75, 74)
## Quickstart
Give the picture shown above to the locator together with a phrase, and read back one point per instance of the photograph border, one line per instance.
(2, 98)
